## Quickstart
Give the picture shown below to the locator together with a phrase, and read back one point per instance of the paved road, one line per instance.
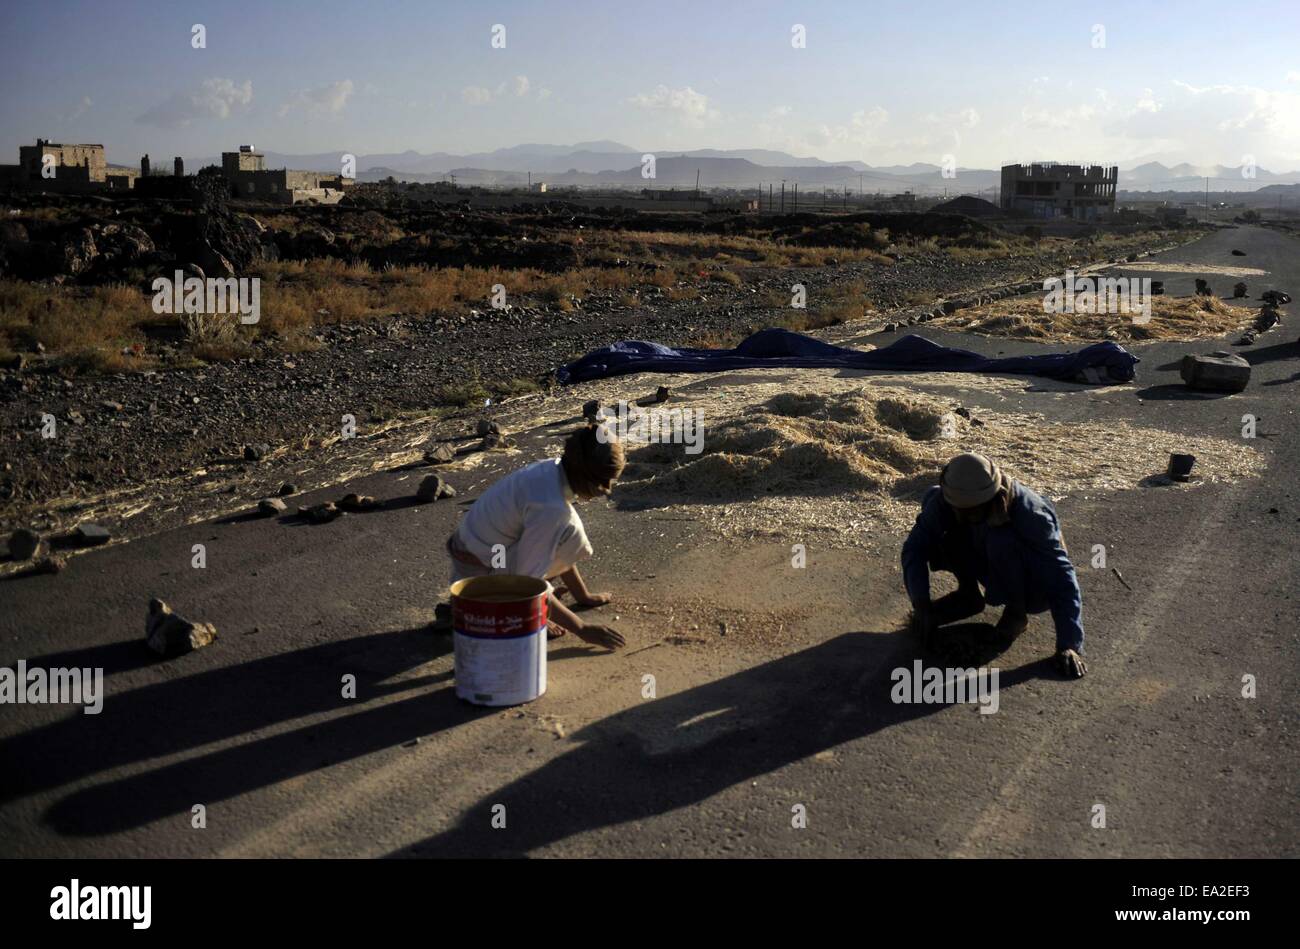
(256, 730)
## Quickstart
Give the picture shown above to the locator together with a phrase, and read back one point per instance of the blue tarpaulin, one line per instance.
(1100, 363)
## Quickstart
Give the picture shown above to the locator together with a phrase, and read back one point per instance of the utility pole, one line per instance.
(1207, 200)
(795, 209)
(697, 184)
(782, 195)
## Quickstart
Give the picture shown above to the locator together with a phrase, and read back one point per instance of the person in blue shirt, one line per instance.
(990, 530)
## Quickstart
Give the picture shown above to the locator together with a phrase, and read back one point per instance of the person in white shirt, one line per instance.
(526, 524)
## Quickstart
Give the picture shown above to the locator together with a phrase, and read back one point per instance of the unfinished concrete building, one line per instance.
(250, 178)
(1051, 190)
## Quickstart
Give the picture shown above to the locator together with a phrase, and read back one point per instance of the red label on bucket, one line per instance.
(501, 620)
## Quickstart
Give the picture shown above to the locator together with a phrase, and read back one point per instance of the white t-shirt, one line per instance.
(530, 513)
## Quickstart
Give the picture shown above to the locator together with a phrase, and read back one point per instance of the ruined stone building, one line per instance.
(250, 178)
(1048, 190)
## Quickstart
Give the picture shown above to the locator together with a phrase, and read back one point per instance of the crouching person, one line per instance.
(988, 529)
(526, 524)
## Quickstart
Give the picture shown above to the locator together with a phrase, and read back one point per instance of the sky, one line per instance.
(885, 83)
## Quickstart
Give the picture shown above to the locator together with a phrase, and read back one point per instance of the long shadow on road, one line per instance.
(184, 713)
(681, 749)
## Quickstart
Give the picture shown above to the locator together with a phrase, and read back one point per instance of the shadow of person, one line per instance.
(178, 714)
(681, 749)
(137, 800)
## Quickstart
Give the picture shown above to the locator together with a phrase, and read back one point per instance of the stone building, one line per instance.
(250, 178)
(74, 167)
(1048, 190)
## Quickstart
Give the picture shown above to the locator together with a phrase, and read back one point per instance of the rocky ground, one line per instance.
(124, 429)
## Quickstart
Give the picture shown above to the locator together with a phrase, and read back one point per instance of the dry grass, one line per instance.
(1183, 318)
(89, 326)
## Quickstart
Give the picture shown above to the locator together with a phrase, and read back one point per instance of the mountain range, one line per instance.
(611, 164)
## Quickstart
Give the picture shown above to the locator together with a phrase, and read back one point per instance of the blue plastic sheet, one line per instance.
(1102, 363)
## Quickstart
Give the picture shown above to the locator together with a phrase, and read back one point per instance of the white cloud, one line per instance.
(1293, 76)
(475, 95)
(79, 110)
(543, 93)
(521, 85)
(688, 105)
(215, 99)
(329, 99)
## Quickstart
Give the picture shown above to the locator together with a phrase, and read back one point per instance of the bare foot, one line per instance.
(594, 599)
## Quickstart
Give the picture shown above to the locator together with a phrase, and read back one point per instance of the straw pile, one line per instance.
(805, 444)
(1181, 318)
(850, 463)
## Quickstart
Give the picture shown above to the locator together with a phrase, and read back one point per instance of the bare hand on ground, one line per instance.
(1070, 664)
(599, 635)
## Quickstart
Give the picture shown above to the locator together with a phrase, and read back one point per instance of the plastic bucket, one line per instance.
(499, 632)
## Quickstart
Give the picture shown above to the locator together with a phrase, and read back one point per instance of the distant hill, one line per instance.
(605, 163)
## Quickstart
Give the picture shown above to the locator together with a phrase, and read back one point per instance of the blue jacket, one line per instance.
(1032, 535)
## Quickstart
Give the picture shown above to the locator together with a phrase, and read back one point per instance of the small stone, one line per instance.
(358, 502)
(256, 452)
(92, 534)
(52, 563)
(320, 513)
(446, 491)
(168, 634)
(112, 406)
(498, 441)
(271, 506)
(486, 427)
(662, 394)
(440, 455)
(287, 489)
(430, 489)
(23, 544)
(591, 410)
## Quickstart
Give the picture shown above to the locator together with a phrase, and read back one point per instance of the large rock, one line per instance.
(79, 251)
(169, 634)
(1217, 372)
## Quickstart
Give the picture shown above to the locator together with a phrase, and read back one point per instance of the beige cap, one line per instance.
(969, 480)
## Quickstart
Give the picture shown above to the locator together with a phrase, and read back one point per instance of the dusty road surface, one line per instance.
(770, 702)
